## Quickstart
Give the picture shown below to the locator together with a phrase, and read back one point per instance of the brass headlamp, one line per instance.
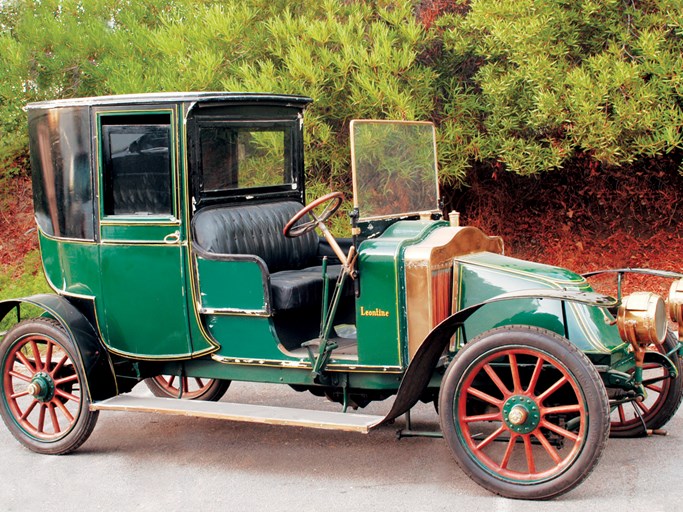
(642, 319)
(676, 302)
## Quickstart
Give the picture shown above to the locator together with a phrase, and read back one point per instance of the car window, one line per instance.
(136, 164)
(239, 157)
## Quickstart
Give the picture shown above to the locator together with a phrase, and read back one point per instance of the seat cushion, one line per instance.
(294, 289)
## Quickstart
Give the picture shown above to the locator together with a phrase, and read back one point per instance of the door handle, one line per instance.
(172, 238)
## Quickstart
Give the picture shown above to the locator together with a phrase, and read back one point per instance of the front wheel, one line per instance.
(664, 396)
(524, 412)
(44, 401)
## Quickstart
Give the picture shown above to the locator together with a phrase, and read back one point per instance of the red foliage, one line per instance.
(429, 10)
(17, 226)
(586, 218)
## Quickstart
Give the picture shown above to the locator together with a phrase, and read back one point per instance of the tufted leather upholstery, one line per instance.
(256, 229)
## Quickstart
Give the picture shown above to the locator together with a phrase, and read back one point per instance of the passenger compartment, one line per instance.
(290, 268)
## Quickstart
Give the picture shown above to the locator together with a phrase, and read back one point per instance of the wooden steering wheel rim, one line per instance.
(291, 232)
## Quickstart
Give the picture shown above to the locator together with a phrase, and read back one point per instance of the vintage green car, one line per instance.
(173, 233)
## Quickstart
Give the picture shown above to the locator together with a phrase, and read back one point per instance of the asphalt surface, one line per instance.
(148, 462)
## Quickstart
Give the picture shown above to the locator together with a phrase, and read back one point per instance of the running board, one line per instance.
(268, 415)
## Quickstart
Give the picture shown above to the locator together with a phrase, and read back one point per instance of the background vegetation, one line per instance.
(559, 121)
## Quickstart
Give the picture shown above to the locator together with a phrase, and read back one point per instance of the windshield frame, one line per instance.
(355, 178)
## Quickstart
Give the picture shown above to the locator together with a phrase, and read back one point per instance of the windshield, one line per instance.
(394, 168)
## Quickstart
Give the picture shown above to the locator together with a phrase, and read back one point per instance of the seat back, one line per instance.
(255, 229)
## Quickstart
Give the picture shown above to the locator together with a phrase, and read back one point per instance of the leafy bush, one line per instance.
(523, 85)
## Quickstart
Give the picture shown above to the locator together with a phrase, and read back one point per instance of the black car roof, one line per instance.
(175, 97)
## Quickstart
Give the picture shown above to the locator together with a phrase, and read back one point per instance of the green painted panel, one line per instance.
(139, 233)
(230, 284)
(71, 267)
(380, 309)
(528, 270)
(206, 367)
(377, 308)
(249, 337)
(484, 275)
(144, 305)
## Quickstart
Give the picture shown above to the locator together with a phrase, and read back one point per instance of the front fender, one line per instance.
(419, 372)
(101, 382)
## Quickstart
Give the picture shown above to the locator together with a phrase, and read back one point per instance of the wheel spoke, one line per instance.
(36, 355)
(529, 452)
(199, 382)
(64, 410)
(561, 409)
(20, 376)
(496, 380)
(41, 419)
(53, 417)
(494, 416)
(534, 376)
(64, 380)
(551, 389)
(559, 430)
(68, 396)
(514, 369)
(24, 360)
(491, 438)
(656, 389)
(485, 397)
(48, 357)
(642, 406)
(548, 447)
(185, 385)
(59, 365)
(508, 450)
(29, 409)
(622, 414)
(18, 395)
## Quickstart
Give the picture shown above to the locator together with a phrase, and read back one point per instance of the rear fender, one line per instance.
(421, 368)
(101, 382)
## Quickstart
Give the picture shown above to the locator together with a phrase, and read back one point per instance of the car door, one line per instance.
(143, 311)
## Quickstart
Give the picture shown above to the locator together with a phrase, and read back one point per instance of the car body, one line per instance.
(161, 219)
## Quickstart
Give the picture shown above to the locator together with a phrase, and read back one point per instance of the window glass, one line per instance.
(235, 157)
(62, 180)
(136, 161)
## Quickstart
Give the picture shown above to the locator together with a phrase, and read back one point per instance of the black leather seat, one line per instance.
(256, 229)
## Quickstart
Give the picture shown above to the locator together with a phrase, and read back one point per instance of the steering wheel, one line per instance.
(334, 199)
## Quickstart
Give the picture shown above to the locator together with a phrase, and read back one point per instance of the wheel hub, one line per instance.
(42, 387)
(521, 414)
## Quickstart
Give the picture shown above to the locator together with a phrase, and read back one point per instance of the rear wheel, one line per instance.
(44, 402)
(662, 401)
(524, 412)
(189, 388)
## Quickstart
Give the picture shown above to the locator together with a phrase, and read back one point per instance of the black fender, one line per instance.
(99, 371)
(419, 372)
(663, 361)
(647, 271)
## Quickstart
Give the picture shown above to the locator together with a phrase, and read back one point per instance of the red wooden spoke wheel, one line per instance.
(524, 412)
(662, 401)
(189, 388)
(45, 403)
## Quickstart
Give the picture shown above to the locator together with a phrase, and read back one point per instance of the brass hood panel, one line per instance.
(430, 276)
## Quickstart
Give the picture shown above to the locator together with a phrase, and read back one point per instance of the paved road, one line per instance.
(147, 462)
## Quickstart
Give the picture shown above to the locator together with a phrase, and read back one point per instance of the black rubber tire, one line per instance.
(211, 392)
(666, 405)
(36, 438)
(554, 354)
